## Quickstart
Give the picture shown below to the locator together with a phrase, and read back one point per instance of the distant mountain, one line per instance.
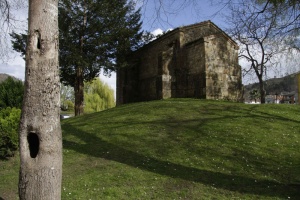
(3, 77)
(284, 85)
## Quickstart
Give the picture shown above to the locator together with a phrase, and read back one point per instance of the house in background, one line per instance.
(290, 96)
(195, 61)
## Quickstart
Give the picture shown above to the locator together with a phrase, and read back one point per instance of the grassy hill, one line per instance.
(178, 149)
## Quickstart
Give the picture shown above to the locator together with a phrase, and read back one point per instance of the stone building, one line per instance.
(196, 61)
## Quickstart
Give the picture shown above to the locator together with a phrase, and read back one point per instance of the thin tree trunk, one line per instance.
(79, 84)
(40, 131)
(78, 90)
(262, 91)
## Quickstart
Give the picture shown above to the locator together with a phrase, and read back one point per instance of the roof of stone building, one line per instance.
(196, 25)
(210, 23)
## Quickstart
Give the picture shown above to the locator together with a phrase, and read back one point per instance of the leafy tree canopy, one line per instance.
(111, 32)
(19, 43)
(98, 96)
(96, 35)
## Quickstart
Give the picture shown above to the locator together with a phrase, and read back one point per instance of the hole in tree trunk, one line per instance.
(39, 43)
(34, 144)
(37, 39)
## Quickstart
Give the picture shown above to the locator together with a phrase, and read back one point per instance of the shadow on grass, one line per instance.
(96, 147)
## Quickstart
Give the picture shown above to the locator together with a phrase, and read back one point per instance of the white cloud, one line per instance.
(14, 67)
(157, 32)
(17, 71)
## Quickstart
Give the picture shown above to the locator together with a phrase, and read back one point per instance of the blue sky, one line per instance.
(172, 15)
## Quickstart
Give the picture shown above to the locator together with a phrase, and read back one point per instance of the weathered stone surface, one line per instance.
(199, 61)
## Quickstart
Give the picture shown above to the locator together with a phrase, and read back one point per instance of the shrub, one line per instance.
(9, 126)
(70, 105)
(11, 93)
(67, 105)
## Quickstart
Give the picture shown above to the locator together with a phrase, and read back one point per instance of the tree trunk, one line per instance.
(40, 131)
(79, 84)
(78, 90)
(262, 91)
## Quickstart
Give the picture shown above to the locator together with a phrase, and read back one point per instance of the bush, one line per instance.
(67, 106)
(9, 126)
(70, 105)
(11, 93)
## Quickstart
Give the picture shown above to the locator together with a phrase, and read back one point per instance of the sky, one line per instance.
(155, 17)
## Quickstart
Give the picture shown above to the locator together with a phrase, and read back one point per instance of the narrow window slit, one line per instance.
(34, 144)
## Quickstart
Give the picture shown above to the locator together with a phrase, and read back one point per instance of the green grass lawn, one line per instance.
(178, 149)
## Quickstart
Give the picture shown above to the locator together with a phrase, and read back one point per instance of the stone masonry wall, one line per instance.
(223, 75)
(154, 73)
(195, 69)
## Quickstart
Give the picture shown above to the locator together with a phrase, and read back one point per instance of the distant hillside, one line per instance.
(3, 77)
(276, 85)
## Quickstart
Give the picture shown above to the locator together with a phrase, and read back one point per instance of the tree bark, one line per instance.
(262, 90)
(78, 90)
(79, 84)
(40, 131)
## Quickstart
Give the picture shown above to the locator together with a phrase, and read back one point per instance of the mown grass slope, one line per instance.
(179, 149)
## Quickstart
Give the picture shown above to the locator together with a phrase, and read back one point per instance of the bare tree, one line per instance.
(164, 11)
(8, 22)
(262, 31)
(40, 131)
(288, 21)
